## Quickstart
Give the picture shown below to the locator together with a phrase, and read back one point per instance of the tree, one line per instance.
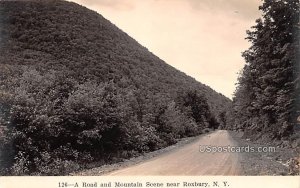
(265, 99)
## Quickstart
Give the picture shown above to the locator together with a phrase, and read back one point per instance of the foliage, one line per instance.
(266, 98)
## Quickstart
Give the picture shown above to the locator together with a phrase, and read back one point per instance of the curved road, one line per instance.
(188, 160)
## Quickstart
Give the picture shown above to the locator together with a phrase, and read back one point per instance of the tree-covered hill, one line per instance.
(75, 89)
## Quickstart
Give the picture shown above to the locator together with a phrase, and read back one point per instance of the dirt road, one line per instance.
(188, 160)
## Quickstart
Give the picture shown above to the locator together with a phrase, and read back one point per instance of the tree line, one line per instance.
(266, 102)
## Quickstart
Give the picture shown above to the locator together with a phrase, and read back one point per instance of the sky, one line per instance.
(202, 38)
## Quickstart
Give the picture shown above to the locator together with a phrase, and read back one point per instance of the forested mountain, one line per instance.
(266, 102)
(75, 89)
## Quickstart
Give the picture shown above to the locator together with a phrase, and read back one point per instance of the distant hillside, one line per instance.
(75, 89)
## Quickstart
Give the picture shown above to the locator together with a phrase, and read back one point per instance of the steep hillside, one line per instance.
(75, 89)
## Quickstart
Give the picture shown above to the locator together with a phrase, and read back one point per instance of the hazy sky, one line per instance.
(203, 38)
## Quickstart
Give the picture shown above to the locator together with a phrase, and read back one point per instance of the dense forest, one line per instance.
(75, 89)
(266, 102)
